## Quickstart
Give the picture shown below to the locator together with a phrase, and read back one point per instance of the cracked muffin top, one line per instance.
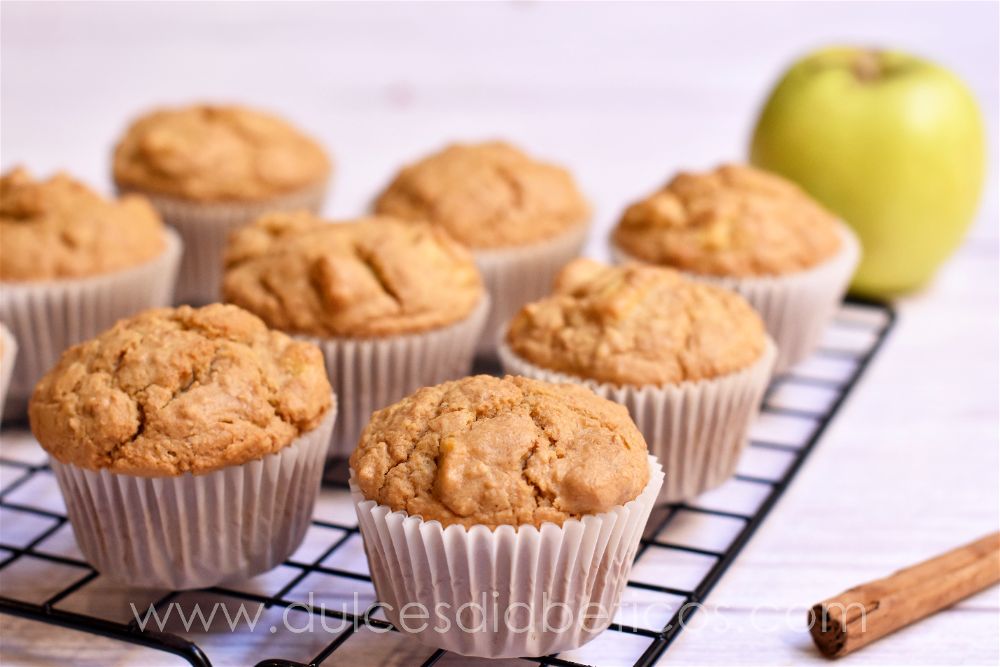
(367, 278)
(172, 391)
(60, 228)
(211, 153)
(492, 451)
(637, 325)
(733, 221)
(488, 195)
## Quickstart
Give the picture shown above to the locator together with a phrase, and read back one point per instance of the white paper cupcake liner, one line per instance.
(368, 374)
(516, 276)
(519, 578)
(697, 430)
(205, 229)
(192, 531)
(49, 316)
(8, 355)
(797, 307)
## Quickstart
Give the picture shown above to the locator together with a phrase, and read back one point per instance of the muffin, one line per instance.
(210, 169)
(689, 360)
(187, 443)
(393, 305)
(753, 232)
(73, 263)
(525, 498)
(522, 218)
(8, 354)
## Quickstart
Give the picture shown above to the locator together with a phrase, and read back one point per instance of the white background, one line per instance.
(624, 95)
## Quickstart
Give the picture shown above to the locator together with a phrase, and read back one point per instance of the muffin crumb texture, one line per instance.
(172, 391)
(733, 221)
(211, 153)
(510, 451)
(368, 278)
(637, 325)
(59, 228)
(488, 195)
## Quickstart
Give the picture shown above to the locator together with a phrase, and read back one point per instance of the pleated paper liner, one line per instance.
(192, 531)
(50, 316)
(368, 374)
(697, 430)
(205, 228)
(795, 307)
(8, 354)
(516, 276)
(538, 590)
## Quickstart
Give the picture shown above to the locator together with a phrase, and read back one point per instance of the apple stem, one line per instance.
(868, 65)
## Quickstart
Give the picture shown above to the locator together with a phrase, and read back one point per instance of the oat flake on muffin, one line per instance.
(59, 228)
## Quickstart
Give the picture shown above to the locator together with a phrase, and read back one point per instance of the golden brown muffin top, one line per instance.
(733, 221)
(492, 451)
(60, 228)
(488, 195)
(637, 325)
(211, 153)
(171, 391)
(366, 278)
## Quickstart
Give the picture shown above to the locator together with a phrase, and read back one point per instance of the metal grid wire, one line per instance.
(797, 408)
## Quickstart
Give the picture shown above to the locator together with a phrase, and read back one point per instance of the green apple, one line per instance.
(892, 144)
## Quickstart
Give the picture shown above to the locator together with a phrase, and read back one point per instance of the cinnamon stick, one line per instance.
(868, 612)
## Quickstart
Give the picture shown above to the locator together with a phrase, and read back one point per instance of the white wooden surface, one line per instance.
(624, 94)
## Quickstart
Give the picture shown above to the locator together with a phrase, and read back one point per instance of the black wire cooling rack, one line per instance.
(43, 577)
